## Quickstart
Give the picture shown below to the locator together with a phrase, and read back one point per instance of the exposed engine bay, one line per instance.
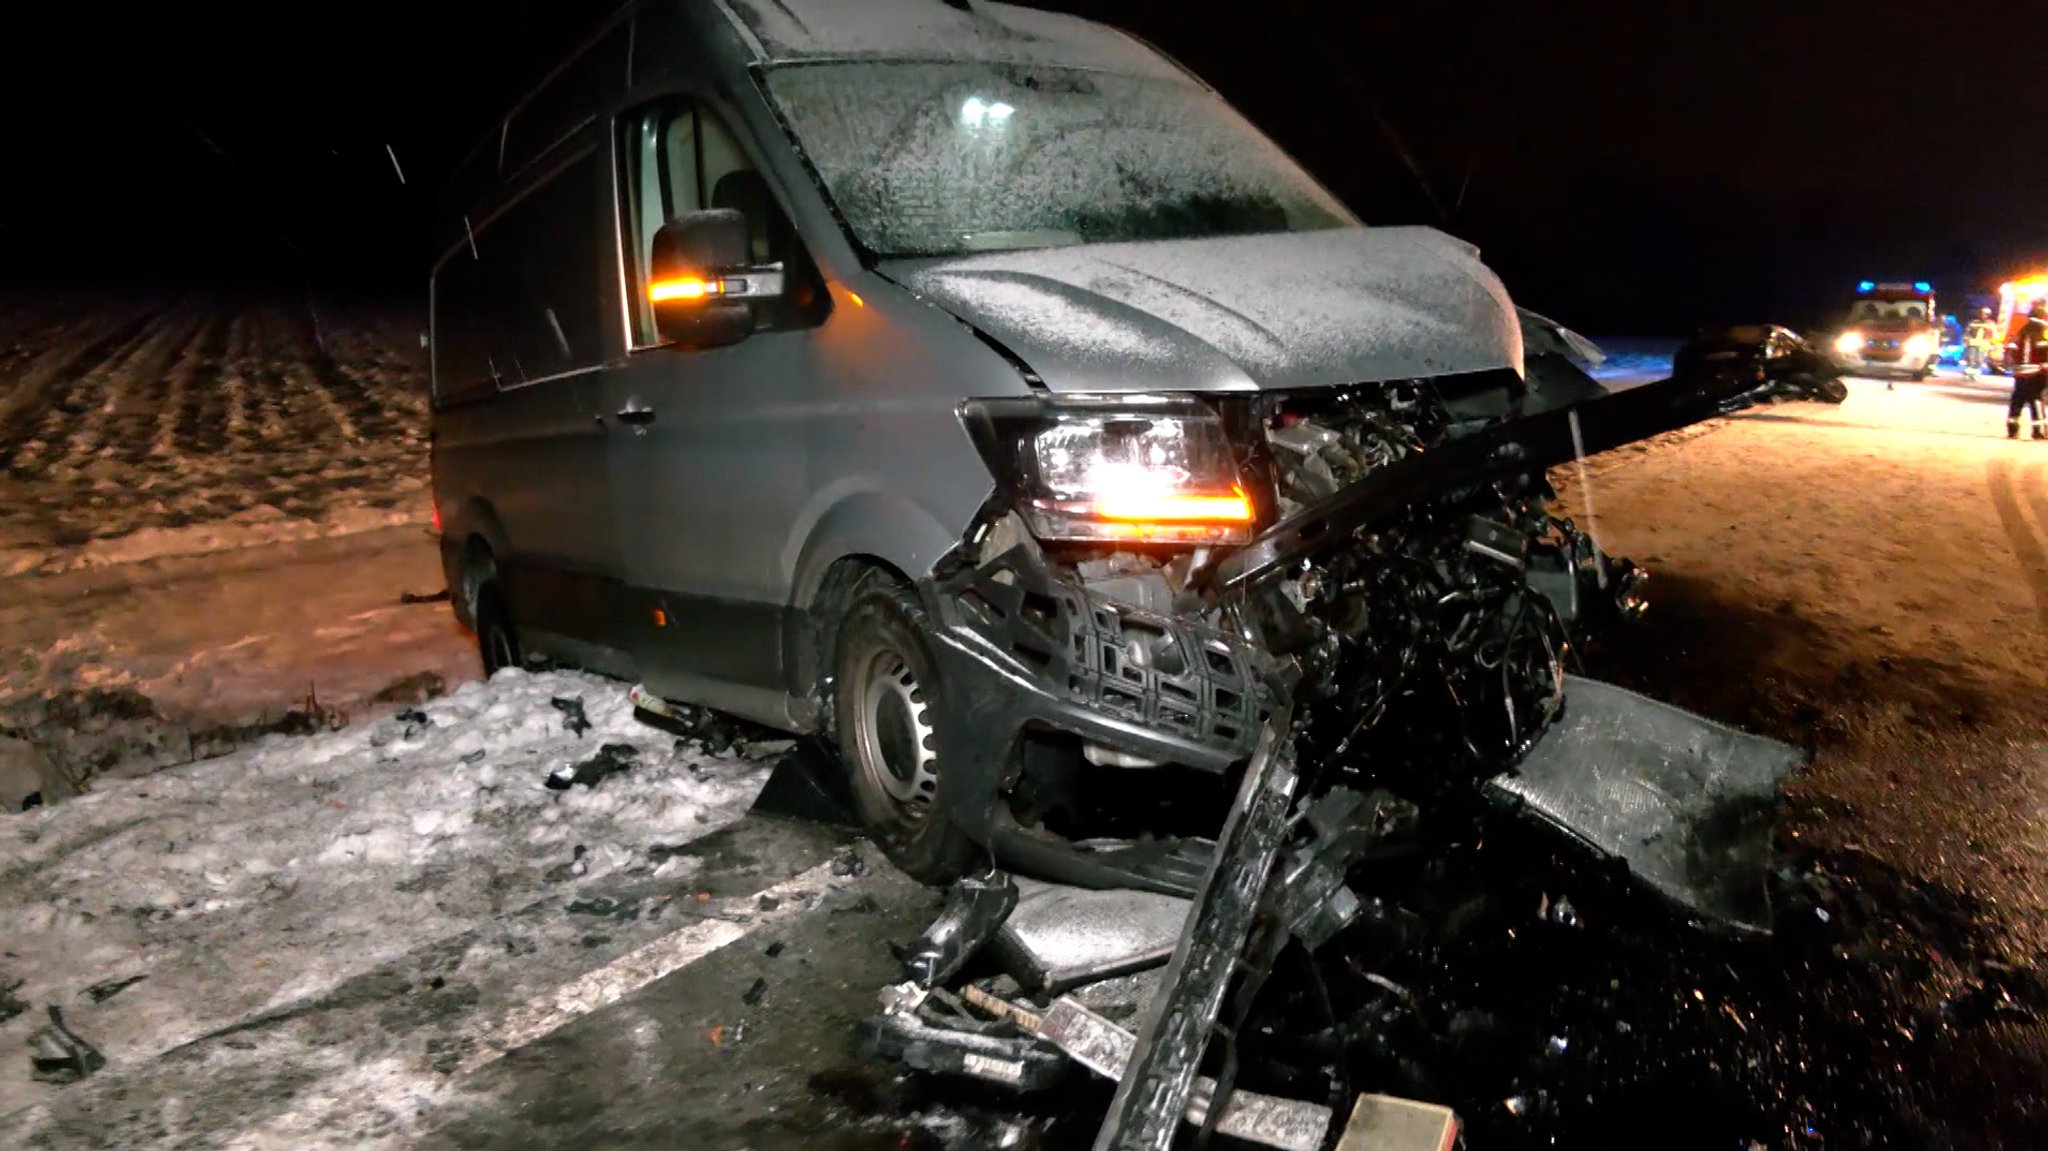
(1383, 677)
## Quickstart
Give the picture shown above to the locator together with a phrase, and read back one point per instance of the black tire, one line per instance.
(497, 640)
(882, 701)
(1832, 391)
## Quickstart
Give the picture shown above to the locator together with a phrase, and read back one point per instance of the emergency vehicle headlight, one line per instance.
(1849, 343)
(1920, 344)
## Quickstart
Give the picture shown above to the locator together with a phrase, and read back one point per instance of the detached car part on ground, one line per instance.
(1782, 364)
(1387, 663)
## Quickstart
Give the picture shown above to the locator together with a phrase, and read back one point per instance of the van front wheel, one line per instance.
(883, 701)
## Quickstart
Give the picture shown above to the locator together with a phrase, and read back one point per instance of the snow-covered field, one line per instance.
(255, 894)
(137, 428)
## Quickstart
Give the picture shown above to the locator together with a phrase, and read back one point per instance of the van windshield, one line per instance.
(938, 159)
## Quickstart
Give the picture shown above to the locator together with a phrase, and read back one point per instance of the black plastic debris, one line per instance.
(775, 949)
(621, 910)
(809, 785)
(415, 721)
(849, 864)
(424, 597)
(106, 989)
(475, 756)
(610, 759)
(31, 801)
(975, 909)
(574, 721)
(58, 1055)
(753, 995)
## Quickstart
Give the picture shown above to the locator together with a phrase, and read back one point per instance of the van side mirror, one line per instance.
(700, 282)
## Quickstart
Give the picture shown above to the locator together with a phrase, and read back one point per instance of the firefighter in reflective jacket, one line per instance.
(2026, 357)
(1978, 340)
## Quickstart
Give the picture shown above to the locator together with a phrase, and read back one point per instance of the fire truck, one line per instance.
(2015, 297)
(1892, 329)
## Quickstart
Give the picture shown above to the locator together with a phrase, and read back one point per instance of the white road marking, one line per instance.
(662, 957)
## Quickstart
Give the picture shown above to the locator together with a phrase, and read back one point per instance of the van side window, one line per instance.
(678, 156)
(517, 299)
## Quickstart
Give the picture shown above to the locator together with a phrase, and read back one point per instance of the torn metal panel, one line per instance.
(1541, 437)
(976, 906)
(1688, 803)
(1021, 1063)
(1106, 1049)
(1060, 937)
(1155, 1088)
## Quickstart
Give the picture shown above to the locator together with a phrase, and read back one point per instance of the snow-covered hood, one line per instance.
(1288, 310)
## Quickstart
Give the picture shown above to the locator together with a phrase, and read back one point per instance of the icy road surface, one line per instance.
(258, 892)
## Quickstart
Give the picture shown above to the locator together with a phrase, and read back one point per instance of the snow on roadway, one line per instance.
(252, 888)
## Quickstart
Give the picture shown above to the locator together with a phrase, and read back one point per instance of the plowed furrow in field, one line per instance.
(121, 400)
(34, 405)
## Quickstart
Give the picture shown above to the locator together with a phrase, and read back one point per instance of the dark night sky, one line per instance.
(1632, 166)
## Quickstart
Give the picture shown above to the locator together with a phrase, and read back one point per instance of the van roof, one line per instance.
(782, 31)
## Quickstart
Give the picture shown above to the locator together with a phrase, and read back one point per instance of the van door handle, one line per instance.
(636, 415)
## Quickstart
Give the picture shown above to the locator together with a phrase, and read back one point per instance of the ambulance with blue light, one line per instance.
(1893, 329)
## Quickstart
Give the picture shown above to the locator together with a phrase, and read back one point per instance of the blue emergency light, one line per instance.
(1866, 286)
(1922, 286)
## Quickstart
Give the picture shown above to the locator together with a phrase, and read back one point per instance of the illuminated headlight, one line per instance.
(1849, 343)
(1129, 469)
(1921, 344)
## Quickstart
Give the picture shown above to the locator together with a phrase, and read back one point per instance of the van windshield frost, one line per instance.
(938, 159)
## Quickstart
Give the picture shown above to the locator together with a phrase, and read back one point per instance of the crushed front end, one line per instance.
(1364, 622)
(1156, 578)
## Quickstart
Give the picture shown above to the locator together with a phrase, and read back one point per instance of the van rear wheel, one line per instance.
(497, 640)
(884, 699)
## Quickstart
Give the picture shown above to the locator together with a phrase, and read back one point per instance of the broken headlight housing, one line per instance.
(1115, 469)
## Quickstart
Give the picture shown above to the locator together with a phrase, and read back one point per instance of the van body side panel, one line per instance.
(522, 321)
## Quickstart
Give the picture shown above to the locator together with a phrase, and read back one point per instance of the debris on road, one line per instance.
(574, 721)
(106, 989)
(849, 865)
(1060, 938)
(424, 597)
(58, 1055)
(610, 759)
(753, 995)
(1387, 1123)
(415, 721)
(975, 908)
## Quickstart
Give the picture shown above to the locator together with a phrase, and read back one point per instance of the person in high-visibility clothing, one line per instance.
(2026, 357)
(1978, 340)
